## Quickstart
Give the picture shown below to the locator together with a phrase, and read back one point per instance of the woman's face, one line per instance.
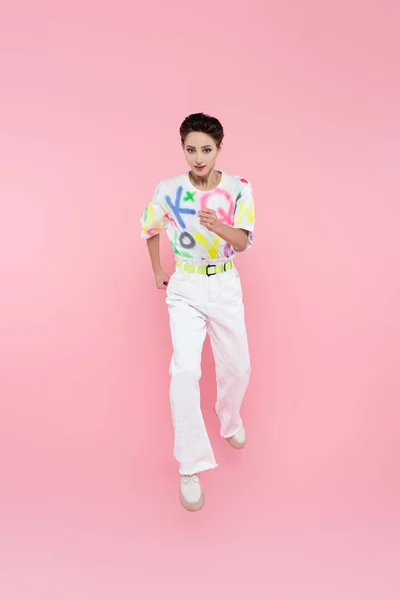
(201, 152)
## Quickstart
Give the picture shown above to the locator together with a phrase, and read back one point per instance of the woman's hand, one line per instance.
(162, 279)
(235, 236)
(208, 218)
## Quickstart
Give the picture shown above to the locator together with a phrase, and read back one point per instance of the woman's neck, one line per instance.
(209, 182)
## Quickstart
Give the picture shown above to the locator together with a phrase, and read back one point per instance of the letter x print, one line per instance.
(189, 196)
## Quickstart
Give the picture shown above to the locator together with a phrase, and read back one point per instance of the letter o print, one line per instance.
(186, 240)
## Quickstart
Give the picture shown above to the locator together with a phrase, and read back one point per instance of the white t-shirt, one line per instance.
(174, 208)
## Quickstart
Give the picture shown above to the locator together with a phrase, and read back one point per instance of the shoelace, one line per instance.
(190, 479)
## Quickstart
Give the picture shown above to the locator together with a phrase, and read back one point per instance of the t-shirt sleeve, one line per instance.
(153, 219)
(244, 217)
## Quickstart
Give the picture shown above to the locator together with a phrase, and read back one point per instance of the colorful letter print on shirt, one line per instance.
(174, 208)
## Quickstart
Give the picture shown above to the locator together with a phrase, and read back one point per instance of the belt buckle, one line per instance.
(211, 267)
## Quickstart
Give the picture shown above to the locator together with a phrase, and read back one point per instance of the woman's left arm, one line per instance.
(237, 237)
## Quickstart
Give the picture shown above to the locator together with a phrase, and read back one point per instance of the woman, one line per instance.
(208, 216)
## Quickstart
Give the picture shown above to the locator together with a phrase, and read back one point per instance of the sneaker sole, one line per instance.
(235, 444)
(192, 507)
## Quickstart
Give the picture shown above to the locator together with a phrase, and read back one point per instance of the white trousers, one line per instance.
(200, 304)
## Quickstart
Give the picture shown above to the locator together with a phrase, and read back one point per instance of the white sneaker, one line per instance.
(191, 493)
(238, 440)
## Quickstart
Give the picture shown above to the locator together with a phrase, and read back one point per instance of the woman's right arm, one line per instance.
(153, 246)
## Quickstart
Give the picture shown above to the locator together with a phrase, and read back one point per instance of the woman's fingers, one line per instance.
(207, 213)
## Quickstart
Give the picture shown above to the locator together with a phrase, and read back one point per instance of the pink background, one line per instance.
(92, 95)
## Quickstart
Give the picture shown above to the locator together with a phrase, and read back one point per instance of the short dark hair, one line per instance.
(204, 123)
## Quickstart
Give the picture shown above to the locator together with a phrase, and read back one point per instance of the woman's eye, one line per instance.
(206, 150)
